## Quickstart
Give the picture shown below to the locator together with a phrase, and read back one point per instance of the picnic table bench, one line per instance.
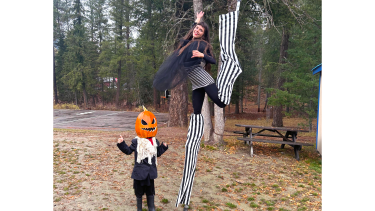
(248, 137)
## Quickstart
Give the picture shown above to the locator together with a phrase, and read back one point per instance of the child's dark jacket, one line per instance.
(141, 170)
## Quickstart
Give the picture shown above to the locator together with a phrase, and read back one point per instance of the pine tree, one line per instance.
(78, 72)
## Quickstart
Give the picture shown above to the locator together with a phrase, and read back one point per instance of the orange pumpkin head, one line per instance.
(146, 125)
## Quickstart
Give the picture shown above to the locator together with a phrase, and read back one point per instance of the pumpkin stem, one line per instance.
(144, 109)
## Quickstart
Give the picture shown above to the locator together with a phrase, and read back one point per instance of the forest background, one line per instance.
(106, 53)
(27, 67)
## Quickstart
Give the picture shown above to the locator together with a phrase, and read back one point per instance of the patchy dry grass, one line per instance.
(90, 173)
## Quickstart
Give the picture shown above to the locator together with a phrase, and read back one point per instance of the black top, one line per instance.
(141, 170)
(194, 46)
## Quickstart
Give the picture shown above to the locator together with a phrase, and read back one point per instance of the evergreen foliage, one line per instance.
(97, 41)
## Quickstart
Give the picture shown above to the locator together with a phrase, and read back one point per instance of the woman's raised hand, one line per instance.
(199, 16)
(120, 139)
(197, 54)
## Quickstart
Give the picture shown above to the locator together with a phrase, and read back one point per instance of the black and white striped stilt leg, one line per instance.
(192, 146)
(230, 67)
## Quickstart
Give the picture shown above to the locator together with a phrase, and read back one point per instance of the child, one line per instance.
(146, 148)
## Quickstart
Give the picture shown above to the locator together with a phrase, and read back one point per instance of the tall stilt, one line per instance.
(192, 146)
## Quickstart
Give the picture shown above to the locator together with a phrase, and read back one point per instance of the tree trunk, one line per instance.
(156, 99)
(178, 106)
(75, 97)
(151, 36)
(237, 107)
(84, 95)
(260, 73)
(93, 100)
(208, 129)
(118, 86)
(54, 79)
(266, 101)
(277, 111)
(219, 118)
(242, 94)
(237, 98)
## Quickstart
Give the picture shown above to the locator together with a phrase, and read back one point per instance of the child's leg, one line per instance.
(150, 193)
(138, 191)
(192, 146)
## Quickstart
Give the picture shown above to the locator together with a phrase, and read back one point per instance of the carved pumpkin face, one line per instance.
(146, 124)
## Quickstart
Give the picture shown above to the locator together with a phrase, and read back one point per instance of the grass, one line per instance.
(203, 146)
(253, 205)
(315, 165)
(230, 205)
(305, 199)
(165, 201)
(296, 193)
(250, 199)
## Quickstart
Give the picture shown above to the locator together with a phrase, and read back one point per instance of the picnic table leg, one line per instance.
(286, 135)
(251, 143)
(247, 133)
(297, 148)
(251, 149)
(294, 136)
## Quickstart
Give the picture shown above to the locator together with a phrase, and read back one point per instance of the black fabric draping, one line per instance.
(171, 73)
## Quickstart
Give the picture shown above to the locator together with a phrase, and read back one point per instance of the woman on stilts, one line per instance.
(193, 55)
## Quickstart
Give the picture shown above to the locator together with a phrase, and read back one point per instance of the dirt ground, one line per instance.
(91, 173)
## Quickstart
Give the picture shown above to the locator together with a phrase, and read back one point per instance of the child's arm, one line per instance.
(161, 148)
(124, 148)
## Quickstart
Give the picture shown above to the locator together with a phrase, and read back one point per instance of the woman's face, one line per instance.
(198, 31)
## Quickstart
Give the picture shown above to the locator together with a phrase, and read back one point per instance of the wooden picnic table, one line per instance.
(248, 137)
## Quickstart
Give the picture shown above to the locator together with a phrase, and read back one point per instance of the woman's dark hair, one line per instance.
(205, 38)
